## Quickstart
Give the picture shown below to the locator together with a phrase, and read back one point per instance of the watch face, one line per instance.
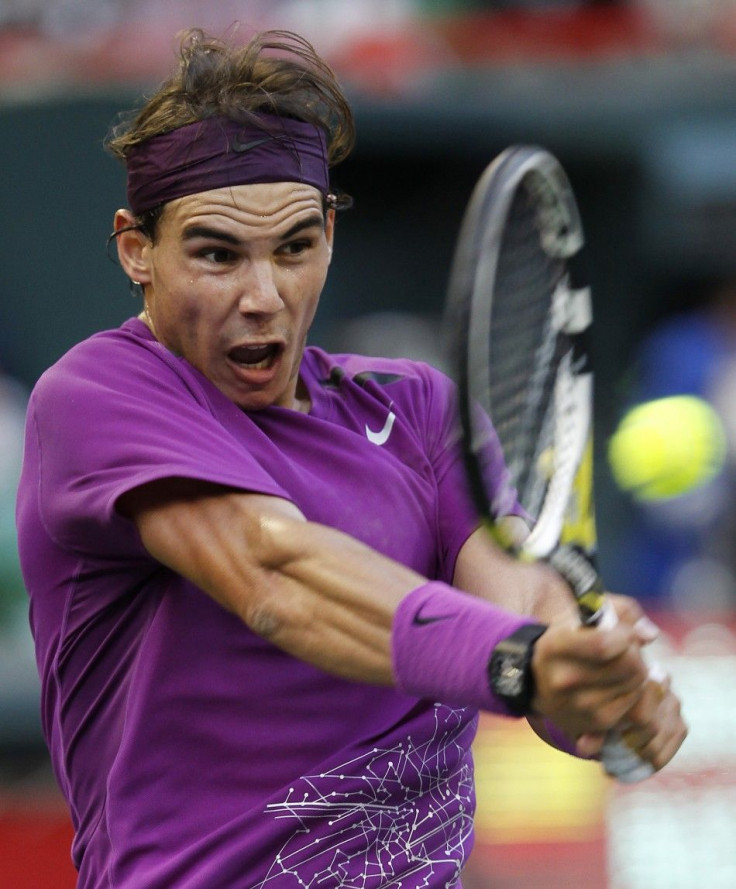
(509, 676)
(509, 671)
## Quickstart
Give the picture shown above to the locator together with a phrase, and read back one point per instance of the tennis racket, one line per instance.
(518, 315)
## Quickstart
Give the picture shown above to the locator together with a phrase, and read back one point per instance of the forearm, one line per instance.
(535, 590)
(316, 593)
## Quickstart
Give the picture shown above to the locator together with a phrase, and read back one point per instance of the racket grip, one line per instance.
(620, 760)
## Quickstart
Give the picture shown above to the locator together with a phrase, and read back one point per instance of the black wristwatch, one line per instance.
(509, 669)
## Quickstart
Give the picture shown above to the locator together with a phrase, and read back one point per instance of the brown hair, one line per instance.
(276, 71)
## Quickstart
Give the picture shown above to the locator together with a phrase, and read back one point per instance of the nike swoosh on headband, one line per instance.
(219, 152)
(242, 147)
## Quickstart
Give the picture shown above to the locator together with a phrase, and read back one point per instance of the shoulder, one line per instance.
(419, 394)
(131, 338)
(363, 369)
(110, 361)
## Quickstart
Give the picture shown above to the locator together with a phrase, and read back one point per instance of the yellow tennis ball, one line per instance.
(667, 447)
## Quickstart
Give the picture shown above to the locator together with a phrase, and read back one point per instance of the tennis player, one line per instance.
(264, 615)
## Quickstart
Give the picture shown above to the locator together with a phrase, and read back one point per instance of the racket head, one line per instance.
(518, 315)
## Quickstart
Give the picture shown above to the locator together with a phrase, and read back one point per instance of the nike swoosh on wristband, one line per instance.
(241, 147)
(421, 621)
(381, 437)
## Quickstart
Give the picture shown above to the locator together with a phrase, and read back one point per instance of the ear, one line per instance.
(133, 247)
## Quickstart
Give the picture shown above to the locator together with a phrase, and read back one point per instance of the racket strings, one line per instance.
(525, 348)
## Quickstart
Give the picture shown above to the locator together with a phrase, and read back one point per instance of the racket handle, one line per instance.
(622, 762)
(619, 759)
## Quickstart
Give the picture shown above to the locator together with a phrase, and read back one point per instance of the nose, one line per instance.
(260, 292)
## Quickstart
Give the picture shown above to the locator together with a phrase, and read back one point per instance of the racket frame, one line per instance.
(555, 537)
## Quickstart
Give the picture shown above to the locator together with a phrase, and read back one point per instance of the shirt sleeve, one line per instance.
(457, 515)
(114, 414)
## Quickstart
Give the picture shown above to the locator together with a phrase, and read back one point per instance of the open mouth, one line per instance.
(259, 357)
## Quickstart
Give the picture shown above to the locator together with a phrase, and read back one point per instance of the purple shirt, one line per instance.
(192, 752)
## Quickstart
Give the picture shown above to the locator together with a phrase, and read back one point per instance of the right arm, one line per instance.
(328, 599)
(314, 592)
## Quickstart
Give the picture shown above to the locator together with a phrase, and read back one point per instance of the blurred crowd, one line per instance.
(681, 552)
(63, 16)
(381, 45)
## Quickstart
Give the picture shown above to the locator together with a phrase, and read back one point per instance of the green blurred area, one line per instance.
(12, 412)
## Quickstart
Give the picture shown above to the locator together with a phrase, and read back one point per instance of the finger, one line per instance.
(593, 647)
(668, 749)
(656, 739)
(595, 712)
(646, 630)
(628, 610)
(623, 674)
(612, 714)
(648, 738)
(590, 744)
(646, 712)
(588, 697)
(665, 737)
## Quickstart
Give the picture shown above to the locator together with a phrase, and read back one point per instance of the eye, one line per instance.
(296, 248)
(218, 255)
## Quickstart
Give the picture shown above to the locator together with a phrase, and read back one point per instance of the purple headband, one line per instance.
(219, 152)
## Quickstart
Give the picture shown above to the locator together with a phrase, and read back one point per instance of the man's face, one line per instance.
(234, 279)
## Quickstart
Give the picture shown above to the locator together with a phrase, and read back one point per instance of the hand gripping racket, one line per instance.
(518, 316)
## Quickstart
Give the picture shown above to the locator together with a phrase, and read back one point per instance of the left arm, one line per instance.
(654, 726)
(486, 571)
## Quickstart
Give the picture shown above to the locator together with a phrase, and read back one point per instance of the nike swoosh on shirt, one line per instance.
(381, 437)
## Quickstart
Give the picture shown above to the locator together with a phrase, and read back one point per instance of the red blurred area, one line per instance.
(376, 57)
(35, 842)
(563, 34)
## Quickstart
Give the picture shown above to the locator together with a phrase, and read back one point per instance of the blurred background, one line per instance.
(638, 101)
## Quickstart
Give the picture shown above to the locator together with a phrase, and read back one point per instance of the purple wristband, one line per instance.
(442, 641)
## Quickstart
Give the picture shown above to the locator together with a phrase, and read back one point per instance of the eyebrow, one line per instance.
(204, 231)
(211, 234)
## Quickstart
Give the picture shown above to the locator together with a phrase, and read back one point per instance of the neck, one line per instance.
(147, 320)
(302, 401)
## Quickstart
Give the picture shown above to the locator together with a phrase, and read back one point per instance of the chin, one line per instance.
(254, 402)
